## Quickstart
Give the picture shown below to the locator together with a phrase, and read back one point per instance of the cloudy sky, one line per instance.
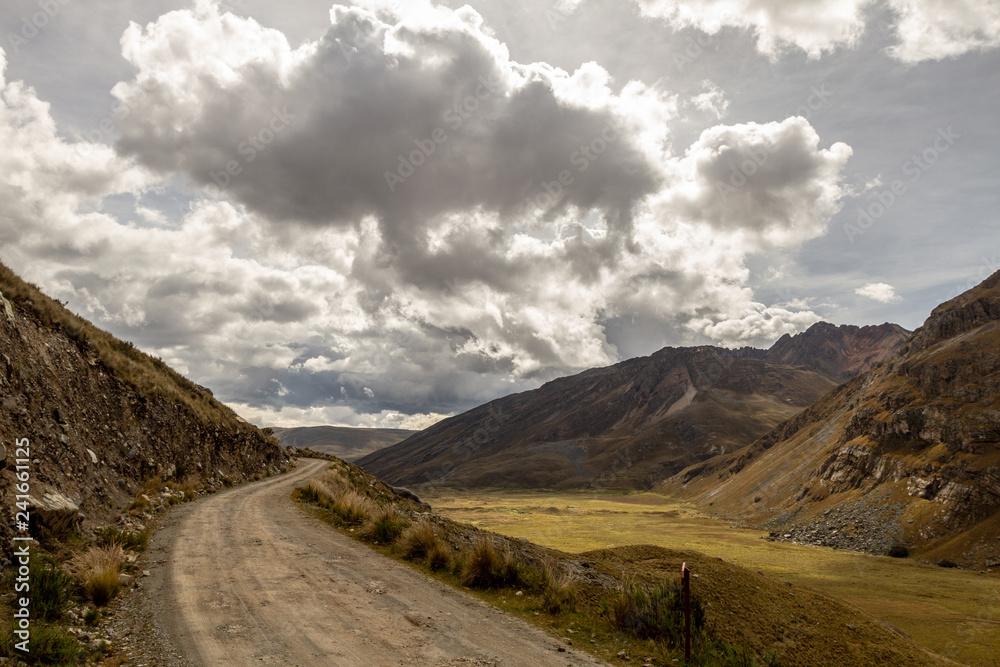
(384, 212)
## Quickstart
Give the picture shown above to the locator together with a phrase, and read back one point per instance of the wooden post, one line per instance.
(686, 579)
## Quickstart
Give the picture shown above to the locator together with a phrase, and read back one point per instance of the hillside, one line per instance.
(343, 442)
(102, 417)
(628, 425)
(907, 454)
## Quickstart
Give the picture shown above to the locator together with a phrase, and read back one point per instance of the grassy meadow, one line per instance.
(955, 613)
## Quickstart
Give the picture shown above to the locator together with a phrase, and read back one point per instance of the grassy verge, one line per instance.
(608, 617)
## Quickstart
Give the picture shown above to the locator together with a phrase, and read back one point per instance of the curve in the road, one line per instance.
(248, 578)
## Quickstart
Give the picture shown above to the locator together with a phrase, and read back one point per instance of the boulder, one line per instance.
(409, 495)
(3, 456)
(56, 512)
(7, 309)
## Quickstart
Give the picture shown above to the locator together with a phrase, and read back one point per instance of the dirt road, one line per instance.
(245, 577)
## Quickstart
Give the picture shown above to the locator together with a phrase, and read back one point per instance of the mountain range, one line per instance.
(638, 422)
(343, 442)
(866, 438)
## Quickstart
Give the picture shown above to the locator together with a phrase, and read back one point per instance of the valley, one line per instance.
(955, 613)
(500, 334)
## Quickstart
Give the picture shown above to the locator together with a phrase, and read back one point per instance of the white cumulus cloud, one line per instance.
(924, 29)
(937, 29)
(712, 101)
(814, 27)
(306, 283)
(881, 292)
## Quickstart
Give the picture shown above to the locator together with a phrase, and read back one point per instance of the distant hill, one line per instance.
(907, 454)
(102, 417)
(343, 442)
(638, 422)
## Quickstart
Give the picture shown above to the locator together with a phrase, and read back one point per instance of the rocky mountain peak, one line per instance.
(840, 352)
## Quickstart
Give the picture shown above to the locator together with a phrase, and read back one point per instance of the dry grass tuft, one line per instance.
(99, 569)
(352, 508)
(421, 542)
(486, 565)
(138, 504)
(559, 594)
(439, 557)
(384, 525)
(349, 506)
(152, 485)
(418, 540)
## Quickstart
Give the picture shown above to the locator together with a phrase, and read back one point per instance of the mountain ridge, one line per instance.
(631, 424)
(909, 452)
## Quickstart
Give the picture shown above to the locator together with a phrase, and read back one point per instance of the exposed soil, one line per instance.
(246, 577)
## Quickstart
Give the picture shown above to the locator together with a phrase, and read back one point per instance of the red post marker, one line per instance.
(686, 579)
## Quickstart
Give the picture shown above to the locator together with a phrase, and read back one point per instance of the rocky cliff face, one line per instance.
(920, 433)
(628, 425)
(840, 352)
(102, 417)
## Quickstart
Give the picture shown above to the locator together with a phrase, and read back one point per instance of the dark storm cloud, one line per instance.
(405, 121)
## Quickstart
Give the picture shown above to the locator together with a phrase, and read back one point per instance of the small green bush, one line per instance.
(51, 588)
(712, 652)
(50, 645)
(308, 494)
